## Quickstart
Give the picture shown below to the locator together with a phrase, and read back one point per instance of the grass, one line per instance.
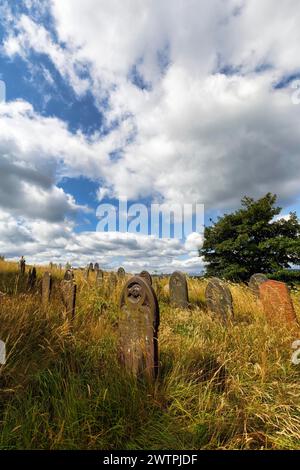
(218, 388)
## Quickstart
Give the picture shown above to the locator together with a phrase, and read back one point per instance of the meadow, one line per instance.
(219, 387)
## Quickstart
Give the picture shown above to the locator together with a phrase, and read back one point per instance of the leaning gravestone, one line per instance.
(277, 303)
(147, 276)
(138, 328)
(178, 289)
(219, 299)
(255, 281)
(46, 288)
(68, 291)
(121, 273)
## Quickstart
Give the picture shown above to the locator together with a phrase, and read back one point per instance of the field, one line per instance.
(218, 388)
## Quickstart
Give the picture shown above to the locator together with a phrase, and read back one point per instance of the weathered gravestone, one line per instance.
(138, 328)
(69, 275)
(46, 288)
(255, 281)
(219, 299)
(178, 290)
(277, 303)
(91, 267)
(31, 279)
(147, 277)
(121, 273)
(96, 267)
(68, 292)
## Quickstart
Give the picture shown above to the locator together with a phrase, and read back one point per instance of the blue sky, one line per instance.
(187, 106)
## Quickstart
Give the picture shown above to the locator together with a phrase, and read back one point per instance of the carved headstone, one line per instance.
(147, 276)
(255, 281)
(121, 273)
(178, 289)
(31, 279)
(69, 275)
(277, 303)
(219, 299)
(91, 267)
(96, 267)
(68, 291)
(46, 288)
(138, 328)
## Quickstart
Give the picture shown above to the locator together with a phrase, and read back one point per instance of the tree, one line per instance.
(253, 239)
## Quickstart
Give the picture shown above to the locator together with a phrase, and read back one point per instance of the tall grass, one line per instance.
(218, 388)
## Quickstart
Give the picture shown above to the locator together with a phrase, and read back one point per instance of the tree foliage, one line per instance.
(253, 239)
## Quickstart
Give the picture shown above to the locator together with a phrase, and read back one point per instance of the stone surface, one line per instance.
(219, 299)
(277, 303)
(68, 291)
(178, 290)
(138, 328)
(46, 288)
(255, 281)
(147, 276)
(96, 267)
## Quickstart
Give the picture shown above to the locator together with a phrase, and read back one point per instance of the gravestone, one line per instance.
(121, 273)
(31, 279)
(219, 299)
(138, 328)
(147, 276)
(178, 290)
(69, 275)
(96, 267)
(91, 267)
(255, 281)
(277, 303)
(22, 266)
(46, 288)
(68, 292)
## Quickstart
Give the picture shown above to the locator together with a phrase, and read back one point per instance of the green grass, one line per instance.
(63, 388)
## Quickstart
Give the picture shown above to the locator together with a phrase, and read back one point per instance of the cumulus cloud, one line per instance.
(42, 242)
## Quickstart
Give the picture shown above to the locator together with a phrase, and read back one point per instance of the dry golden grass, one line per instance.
(218, 388)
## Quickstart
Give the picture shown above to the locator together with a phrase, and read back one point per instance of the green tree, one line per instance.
(251, 240)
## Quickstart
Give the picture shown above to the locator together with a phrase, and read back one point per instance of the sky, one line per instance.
(153, 101)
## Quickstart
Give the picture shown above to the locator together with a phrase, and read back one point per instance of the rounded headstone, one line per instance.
(255, 281)
(138, 328)
(69, 275)
(68, 293)
(147, 276)
(178, 290)
(219, 299)
(121, 273)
